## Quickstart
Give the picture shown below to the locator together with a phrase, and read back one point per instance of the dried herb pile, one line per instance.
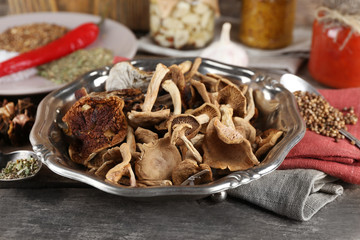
(70, 67)
(20, 168)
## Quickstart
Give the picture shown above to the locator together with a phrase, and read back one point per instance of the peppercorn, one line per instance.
(321, 117)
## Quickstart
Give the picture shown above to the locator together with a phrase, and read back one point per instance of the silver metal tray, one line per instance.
(277, 105)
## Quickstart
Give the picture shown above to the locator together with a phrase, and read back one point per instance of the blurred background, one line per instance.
(134, 13)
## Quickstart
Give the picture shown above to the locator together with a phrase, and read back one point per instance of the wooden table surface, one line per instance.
(52, 207)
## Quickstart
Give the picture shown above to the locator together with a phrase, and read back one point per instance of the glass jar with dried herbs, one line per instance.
(267, 24)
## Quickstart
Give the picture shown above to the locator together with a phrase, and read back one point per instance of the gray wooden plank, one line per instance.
(84, 213)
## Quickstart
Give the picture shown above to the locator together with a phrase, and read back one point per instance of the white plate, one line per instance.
(113, 36)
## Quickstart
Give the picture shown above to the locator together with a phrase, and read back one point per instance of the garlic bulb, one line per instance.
(226, 51)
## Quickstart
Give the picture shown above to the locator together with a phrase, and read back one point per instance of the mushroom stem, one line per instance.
(226, 116)
(250, 110)
(185, 66)
(191, 148)
(201, 89)
(153, 88)
(179, 133)
(174, 92)
(203, 118)
(130, 139)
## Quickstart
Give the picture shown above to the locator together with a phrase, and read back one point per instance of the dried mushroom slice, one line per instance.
(146, 117)
(211, 84)
(122, 169)
(96, 161)
(153, 88)
(205, 113)
(181, 119)
(185, 66)
(130, 139)
(218, 154)
(188, 168)
(104, 168)
(222, 82)
(194, 68)
(177, 76)
(250, 109)
(232, 96)
(182, 128)
(157, 160)
(131, 96)
(172, 89)
(124, 75)
(201, 89)
(268, 140)
(94, 123)
(144, 135)
(196, 142)
(243, 126)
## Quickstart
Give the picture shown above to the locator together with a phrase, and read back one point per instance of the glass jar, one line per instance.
(182, 24)
(335, 56)
(267, 24)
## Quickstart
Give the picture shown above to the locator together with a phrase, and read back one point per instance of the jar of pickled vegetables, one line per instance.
(267, 24)
(183, 24)
(335, 49)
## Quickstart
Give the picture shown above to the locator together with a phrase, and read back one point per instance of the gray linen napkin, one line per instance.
(297, 194)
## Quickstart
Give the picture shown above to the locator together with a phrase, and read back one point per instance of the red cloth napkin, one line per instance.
(339, 159)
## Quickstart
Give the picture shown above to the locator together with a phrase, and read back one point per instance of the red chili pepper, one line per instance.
(75, 39)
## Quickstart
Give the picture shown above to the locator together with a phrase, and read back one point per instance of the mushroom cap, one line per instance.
(178, 77)
(228, 134)
(144, 135)
(124, 75)
(95, 123)
(122, 169)
(188, 168)
(220, 155)
(246, 128)
(184, 119)
(184, 170)
(104, 168)
(201, 89)
(231, 95)
(269, 139)
(157, 160)
(209, 109)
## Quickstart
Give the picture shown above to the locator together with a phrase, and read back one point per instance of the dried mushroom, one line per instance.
(188, 168)
(115, 174)
(146, 117)
(157, 160)
(123, 75)
(16, 121)
(144, 135)
(235, 154)
(173, 90)
(267, 140)
(182, 128)
(94, 123)
(188, 129)
(232, 96)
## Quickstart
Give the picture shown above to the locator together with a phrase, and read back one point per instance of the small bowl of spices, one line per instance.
(18, 165)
